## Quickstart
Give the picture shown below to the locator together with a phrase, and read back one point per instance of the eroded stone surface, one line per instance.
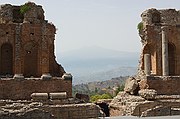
(40, 110)
(131, 85)
(126, 104)
(148, 94)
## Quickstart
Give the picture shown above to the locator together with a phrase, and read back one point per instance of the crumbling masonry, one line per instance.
(32, 84)
(27, 60)
(160, 58)
(27, 42)
(156, 88)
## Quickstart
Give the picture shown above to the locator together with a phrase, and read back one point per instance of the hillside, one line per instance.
(100, 86)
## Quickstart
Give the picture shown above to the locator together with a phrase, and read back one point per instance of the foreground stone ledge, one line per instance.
(38, 110)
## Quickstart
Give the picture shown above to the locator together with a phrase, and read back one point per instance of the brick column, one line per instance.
(18, 69)
(147, 64)
(45, 54)
(165, 62)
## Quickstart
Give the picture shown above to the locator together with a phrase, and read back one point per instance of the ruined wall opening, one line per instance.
(105, 108)
(30, 59)
(6, 68)
(147, 50)
(172, 59)
(156, 18)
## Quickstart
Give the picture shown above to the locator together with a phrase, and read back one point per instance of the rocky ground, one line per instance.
(136, 105)
(24, 109)
(134, 117)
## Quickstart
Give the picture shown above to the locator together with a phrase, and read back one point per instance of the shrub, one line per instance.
(24, 8)
(96, 97)
(140, 26)
(106, 96)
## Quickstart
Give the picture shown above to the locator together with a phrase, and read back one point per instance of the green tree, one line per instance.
(119, 89)
(96, 90)
(94, 98)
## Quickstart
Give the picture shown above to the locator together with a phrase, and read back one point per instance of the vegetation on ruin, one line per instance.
(24, 8)
(140, 26)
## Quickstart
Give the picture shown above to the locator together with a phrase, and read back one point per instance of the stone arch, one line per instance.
(6, 63)
(30, 59)
(172, 58)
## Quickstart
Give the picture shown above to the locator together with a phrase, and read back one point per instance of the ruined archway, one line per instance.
(149, 49)
(30, 59)
(6, 63)
(172, 59)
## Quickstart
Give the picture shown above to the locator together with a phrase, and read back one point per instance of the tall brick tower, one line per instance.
(27, 42)
(27, 60)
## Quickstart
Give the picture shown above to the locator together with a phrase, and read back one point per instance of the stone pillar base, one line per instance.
(67, 76)
(46, 76)
(18, 77)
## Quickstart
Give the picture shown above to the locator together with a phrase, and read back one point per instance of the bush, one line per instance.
(24, 9)
(96, 97)
(140, 26)
(106, 96)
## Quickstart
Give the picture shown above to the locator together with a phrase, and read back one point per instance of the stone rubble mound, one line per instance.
(149, 94)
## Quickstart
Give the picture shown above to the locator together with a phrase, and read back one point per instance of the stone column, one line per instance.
(147, 64)
(165, 62)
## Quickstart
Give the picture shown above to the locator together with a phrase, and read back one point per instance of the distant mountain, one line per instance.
(96, 63)
(105, 75)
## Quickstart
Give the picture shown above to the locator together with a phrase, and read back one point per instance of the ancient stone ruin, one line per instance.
(155, 90)
(32, 84)
(27, 42)
(27, 60)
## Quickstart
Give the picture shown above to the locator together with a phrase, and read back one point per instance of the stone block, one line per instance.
(46, 76)
(58, 96)
(39, 96)
(18, 77)
(67, 76)
(131, 85)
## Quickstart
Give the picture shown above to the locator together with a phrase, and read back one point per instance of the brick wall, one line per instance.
(169, 85)
(22, 89)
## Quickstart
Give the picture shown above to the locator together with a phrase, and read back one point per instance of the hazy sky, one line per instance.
(109, 24)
